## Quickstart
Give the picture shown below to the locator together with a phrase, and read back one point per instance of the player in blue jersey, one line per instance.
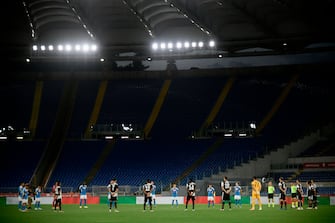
(237, 195)
(38, 192)
(153, 193)
(174, 194)
(83, 195)
(20, 195)
(25, 195)
(210, 195)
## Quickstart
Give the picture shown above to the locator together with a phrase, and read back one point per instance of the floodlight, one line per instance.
(155, 46)
(170, 45)
(60, 47)
(94, 47)
(68, 47)
(163, 46)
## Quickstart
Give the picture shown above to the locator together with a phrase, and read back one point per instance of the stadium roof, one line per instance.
(135, 28)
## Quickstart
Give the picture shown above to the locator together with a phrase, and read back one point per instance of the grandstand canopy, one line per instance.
(192, 28)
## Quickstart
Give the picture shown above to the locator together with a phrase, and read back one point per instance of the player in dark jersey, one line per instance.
(315, 194)
(226, 189)
(190, 187)
(113, 189)
(299, 195)
(147, 189)
(58, 196)
(282, 189)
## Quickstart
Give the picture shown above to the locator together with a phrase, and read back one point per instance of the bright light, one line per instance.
(77, 47)
(60, 47)
(242, 134)
(194, 44)
(42, 47)
(94, 47)
(35, 48)
(155, 46)
(124, 137)
(252, 125)
(102, 60)
(179, 45)
(27, 60)
(170, 45)
(201, 44)
(163, 46)
(228, 135)
(86, 47)
(68, 47)
(109, 137)
(211, 43)
(187, 44)
(220, 55)
(51, 47)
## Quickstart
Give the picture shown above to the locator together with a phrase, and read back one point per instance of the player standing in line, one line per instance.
(190, 187)
(54, 196)
(315, 195)
(299, 195)
(294, 195)
(282, 189)
(38, 192)
(271, 191)
(256, 193)
(113, 189)
(153, 193)
(174, 194)
(226, 189)
(210, 195)
(147, 189)
(83, 195)
(58, 196)
(237, 195)
(25, 194)
(20, 195)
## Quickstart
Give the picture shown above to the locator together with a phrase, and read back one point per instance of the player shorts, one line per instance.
(255, 195)
(282, 196)
(225, 197)
(83, 196)
(294, 195)
(270, 196)
(210, 198)
(19, 198)
(24, 201)
(299, 197)
(153, 196)
(237, 197)
(37, 199)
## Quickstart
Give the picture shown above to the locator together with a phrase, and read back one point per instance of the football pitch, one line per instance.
(165, 214)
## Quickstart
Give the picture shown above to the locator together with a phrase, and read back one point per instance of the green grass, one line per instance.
(165, 214)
